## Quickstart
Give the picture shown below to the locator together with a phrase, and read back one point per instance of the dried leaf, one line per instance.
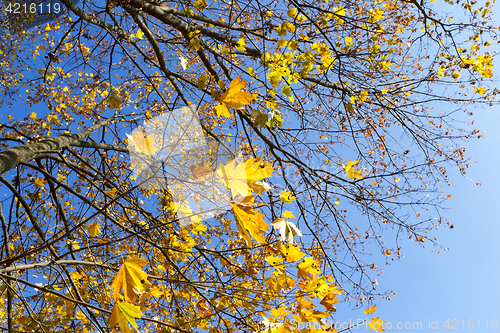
(201, 169)
(114, 102)
(203, 308)
(287, 230)
(184, 63)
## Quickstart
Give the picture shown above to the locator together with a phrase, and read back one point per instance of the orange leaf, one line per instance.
(302, 273)
(222, 110)
(328, 302)
(145, 145)
(252, 271)
(234, 96)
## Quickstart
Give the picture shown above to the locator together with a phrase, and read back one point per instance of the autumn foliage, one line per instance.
(336, 121)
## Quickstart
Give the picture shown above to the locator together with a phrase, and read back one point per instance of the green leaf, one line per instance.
(124, 313)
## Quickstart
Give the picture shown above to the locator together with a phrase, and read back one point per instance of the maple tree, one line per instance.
(97, 238)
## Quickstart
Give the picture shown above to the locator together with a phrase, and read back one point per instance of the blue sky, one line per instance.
(462, 283)
(457, 287)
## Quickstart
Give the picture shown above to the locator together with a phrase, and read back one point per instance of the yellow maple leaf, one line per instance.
(111, 192)
(234, 97)
(242, 177)
(310, 266)
(94, 229)
(187, 214)
(139, 33)
(288, 92)
(124, 313)
(370, 310)
(142, 144)
(476, 90)
(130, 276)
(276, 262)
(40, 182)
(250, 221)
(334, 289)
(222, 110)
(281, 312)
(316, 287)
(200, 5)
(241, 45)
(292, 253)
(376, 324)
(288, 214)
(287, 230)
(286, 196)
(80, 315)
(351, 172)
